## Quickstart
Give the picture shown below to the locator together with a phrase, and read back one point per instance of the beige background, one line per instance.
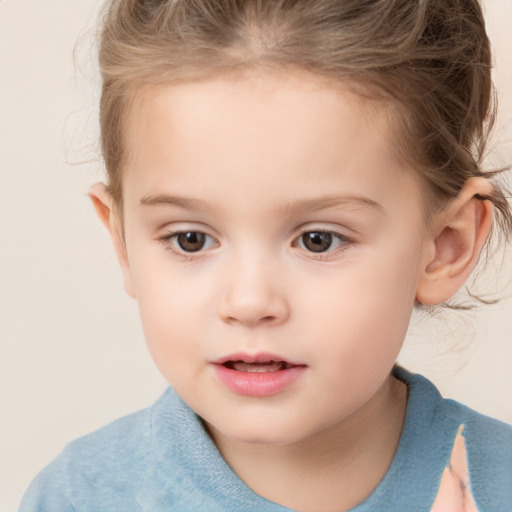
(72, 355)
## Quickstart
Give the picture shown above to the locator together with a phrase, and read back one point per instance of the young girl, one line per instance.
(287, 181)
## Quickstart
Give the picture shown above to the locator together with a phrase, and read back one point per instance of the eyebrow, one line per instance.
(187, 203)
(325, 202)
(300, 206)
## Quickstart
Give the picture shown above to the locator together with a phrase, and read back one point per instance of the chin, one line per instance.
(269, 435)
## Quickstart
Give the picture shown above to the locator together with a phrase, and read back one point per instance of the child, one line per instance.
(287, 180)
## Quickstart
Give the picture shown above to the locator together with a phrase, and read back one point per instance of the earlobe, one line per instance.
(454, 246)
(104, 206)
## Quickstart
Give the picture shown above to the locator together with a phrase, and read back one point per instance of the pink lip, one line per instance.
(257, 384)
(261, 357)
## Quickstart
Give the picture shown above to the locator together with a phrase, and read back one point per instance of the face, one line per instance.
(273, 242)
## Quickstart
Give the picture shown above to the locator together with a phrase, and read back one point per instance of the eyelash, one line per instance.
(330, 254)
(167, 241)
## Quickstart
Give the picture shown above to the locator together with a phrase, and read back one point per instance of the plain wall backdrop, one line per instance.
(72, 352)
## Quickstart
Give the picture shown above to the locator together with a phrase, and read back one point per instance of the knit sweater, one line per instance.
(161, 459)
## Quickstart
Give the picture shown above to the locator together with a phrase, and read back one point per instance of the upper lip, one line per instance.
(261, 357)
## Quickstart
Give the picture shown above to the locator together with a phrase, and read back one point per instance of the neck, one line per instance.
(333, 470)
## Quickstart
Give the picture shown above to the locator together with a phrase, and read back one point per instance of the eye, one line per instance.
(322, 241)
(189, 241)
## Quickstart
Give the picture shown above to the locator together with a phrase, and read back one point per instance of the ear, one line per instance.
(104, 206)
(454, 245)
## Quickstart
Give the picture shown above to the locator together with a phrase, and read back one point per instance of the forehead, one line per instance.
(276, 99)
(260, 134)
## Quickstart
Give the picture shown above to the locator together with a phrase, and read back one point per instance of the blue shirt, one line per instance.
(161, 459)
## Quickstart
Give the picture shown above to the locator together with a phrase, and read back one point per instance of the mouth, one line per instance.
(268, 366)
(257, 363)
(257, 375)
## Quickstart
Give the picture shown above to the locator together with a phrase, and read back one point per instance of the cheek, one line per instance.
(170, 305)
(171, 332)
(368, 304)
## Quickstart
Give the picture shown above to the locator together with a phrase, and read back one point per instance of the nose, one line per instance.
(254, 294)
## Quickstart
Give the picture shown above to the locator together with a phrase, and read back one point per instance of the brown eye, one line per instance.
(191, 241)
(317, 241)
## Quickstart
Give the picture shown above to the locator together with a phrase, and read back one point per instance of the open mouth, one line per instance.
(257, 375)
(266, 366)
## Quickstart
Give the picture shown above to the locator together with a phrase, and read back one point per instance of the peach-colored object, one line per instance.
(455, 490)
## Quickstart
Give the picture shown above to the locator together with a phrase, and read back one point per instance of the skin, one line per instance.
(252, 149)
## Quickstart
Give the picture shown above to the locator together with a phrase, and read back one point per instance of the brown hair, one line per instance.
(429, 59)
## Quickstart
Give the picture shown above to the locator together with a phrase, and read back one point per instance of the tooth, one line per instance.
(271, 366)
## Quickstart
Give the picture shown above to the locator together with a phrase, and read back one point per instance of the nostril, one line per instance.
(251, 319)
(254, 307)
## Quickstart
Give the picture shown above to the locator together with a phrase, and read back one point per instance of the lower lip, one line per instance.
(258, 383)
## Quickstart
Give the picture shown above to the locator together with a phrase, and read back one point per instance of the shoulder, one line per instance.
(121, 439)
(482, 434)
(488, 432)
(96, 469)
(489, 455)
(487, 441)
(157, 459)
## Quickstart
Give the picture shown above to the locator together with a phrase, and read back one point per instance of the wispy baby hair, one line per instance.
(429, 60)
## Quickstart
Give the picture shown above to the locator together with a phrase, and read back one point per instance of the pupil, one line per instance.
(191, 241)
(317, 241)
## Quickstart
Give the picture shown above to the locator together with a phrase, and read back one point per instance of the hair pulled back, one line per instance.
(430, 59)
